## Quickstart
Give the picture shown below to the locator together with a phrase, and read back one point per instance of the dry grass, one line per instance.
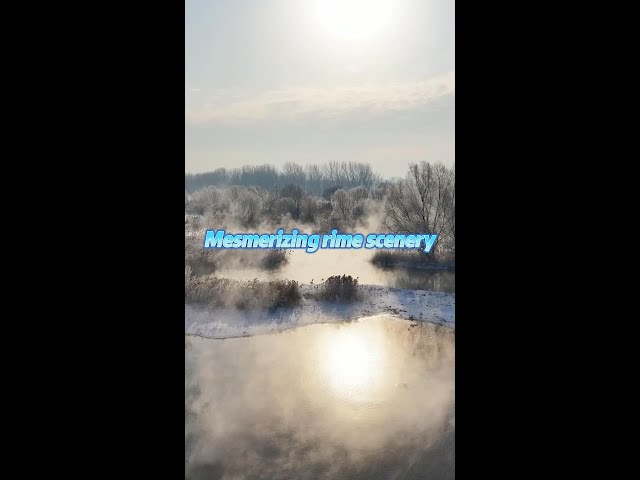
(202, 262)
(338, 289)
(251, 295)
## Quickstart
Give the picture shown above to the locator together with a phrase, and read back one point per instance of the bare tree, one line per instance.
(297, 195)
(248, 206)
(295, 174)
(315, 179)
(341, 203)
(450, 205)
(358, 193)
(422, 202)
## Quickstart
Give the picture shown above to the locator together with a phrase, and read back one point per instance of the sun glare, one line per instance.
(353, 363)
(354, 19)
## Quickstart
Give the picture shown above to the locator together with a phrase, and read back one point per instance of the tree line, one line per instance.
(344, 195)
(314, 179)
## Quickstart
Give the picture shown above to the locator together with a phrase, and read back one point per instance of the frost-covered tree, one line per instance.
(341, 204)
(247, 208)
(423, 203)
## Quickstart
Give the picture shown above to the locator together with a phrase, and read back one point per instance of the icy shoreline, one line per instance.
(417, 305)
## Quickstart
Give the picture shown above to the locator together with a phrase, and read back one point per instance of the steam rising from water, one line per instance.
(304, 267)
(371, 399)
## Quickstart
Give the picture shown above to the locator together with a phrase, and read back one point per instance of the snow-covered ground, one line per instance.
(419, 305)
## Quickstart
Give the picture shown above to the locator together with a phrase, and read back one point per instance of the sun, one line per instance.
(354, 19)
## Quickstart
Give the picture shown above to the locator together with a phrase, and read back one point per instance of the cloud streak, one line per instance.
(313, 102)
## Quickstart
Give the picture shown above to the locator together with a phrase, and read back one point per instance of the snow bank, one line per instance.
(419, 305)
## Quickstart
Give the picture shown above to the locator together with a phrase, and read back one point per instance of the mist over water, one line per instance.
(305, 267)
(371, 399)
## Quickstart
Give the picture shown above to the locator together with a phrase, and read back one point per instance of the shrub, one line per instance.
(328, 192)
(385, 259)
(409, 259)
(201, 262)
(282, 293)
(339, 289)
(285, 206)
(252, 295)
(273, 259)
(188, 277)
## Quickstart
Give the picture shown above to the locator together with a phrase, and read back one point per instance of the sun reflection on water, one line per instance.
(374, 397)
(354, 363)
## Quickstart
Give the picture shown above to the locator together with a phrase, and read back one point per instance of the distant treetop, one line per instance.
(313, 178)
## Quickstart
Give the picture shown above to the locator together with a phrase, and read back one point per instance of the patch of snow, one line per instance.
(417, 305)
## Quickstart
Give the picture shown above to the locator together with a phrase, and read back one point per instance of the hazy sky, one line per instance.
(309, 81)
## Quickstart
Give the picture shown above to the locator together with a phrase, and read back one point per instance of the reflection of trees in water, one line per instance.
(415, 279)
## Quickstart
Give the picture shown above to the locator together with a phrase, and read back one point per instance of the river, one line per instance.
(368, 399)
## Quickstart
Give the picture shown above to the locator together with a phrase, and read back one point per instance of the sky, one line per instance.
(311, 81)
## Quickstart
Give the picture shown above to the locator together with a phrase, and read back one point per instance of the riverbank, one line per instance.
(418, 305)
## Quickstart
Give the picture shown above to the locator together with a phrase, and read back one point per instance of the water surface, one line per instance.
(371, 399)
(307, 267)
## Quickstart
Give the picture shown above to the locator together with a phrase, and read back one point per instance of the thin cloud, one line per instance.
(302, 102)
